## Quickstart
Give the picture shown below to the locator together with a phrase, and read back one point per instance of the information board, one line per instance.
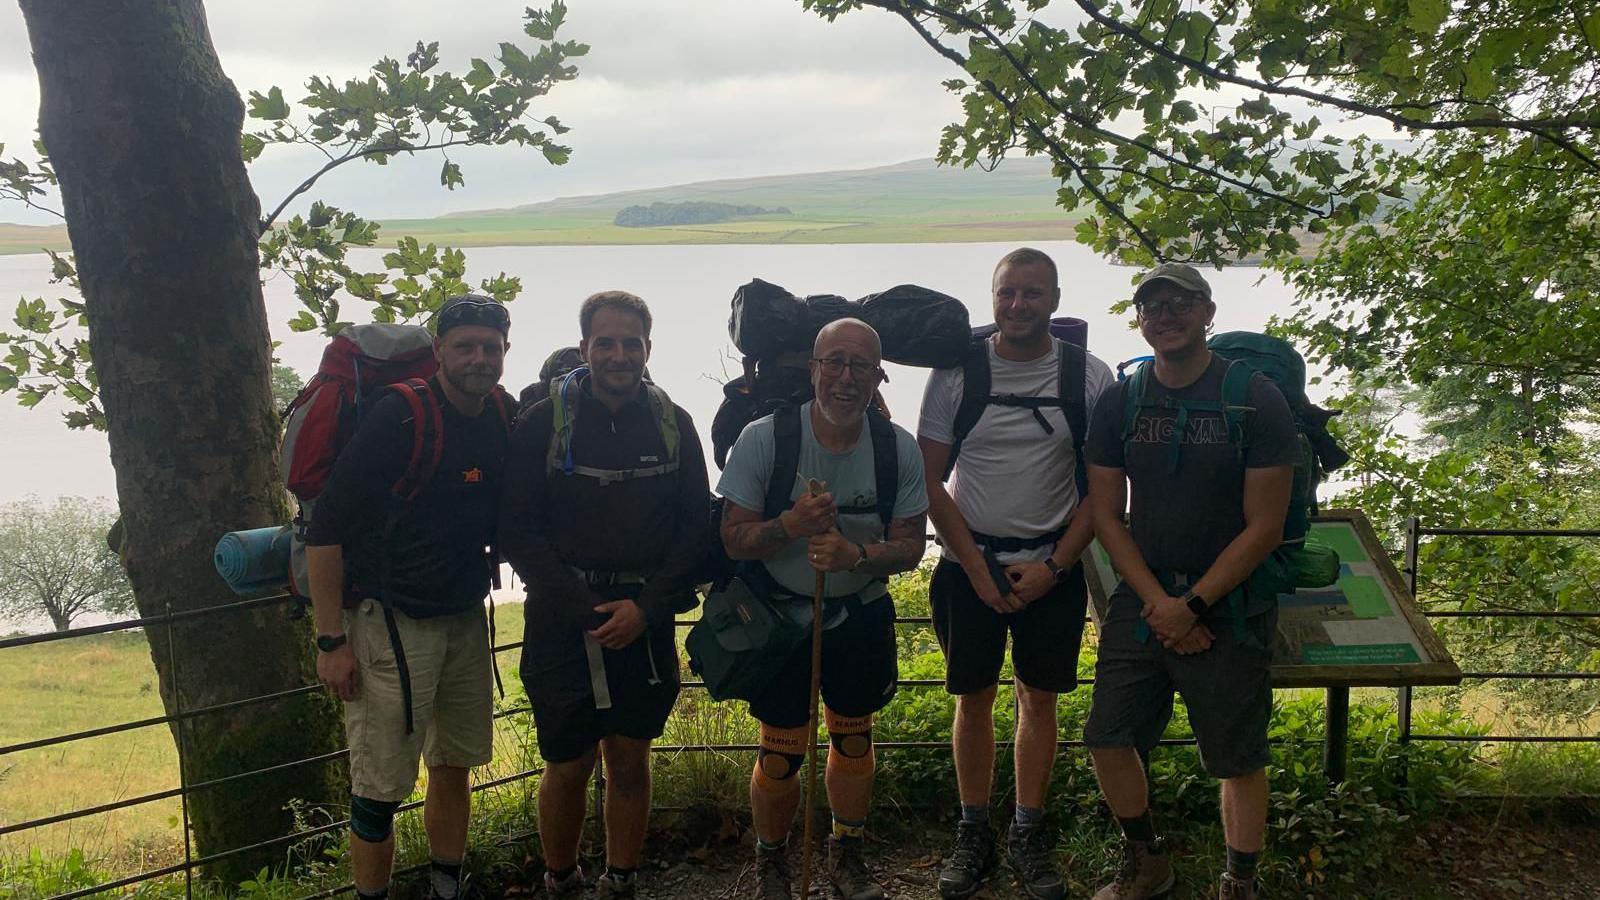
(1362, 630)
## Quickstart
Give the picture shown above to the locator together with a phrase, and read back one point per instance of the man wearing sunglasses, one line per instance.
(411, 657)
(1012, 532)
(867, 524)
(1208, 505)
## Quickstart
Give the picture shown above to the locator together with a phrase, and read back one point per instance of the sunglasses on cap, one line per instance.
(471, 310)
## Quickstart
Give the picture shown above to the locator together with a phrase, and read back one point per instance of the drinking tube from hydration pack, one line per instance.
(254, 561)
(1122, 367)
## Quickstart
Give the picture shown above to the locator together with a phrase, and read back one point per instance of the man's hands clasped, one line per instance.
(1176, 625)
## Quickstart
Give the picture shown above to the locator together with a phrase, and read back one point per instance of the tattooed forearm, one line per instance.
(902, 550)
(754, 540)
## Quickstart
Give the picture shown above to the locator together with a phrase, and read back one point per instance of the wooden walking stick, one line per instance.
(814, 488)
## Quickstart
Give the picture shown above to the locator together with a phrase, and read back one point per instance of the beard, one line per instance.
(841, 417)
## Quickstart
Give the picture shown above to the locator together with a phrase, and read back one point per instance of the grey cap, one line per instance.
(1181, 274)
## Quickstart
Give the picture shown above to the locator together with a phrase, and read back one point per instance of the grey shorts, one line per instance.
(1226, 689)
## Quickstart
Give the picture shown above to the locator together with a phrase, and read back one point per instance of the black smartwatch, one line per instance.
(1056, 572)
(327, 643)
(1196, 603)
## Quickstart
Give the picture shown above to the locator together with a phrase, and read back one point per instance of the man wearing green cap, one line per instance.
(1208, 506)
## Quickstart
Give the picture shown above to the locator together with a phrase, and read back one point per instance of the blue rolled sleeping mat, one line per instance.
(256, 560)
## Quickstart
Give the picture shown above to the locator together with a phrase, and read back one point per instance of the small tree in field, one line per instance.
(54, 561)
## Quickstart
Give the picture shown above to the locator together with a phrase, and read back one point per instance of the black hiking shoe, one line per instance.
(971, 860)
(464, 891)
(848, 872)
(772, 874)
(1146, 872)
(1030, 854)
(567, 888)
(1234, 888)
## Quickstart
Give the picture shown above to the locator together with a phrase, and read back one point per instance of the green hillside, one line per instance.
(911, 202)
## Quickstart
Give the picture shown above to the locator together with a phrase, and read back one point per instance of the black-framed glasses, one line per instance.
(1178, 305)
(833, 367)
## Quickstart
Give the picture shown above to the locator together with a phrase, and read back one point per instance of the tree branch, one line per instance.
(336, 162)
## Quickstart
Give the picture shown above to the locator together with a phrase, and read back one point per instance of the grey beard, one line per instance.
(854, 419)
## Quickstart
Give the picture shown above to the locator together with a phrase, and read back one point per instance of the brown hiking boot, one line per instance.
(848, 872)
(772, 874)
(1234, 888)
(1146, 872)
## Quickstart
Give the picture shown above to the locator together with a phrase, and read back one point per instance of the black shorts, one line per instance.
(859, 671)
(1045, 634)
(1227, 689)
(642, 679)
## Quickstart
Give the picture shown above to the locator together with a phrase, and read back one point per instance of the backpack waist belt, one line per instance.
(606, 578)
(996, 544)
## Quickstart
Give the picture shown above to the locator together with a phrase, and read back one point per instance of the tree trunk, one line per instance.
(143, 129)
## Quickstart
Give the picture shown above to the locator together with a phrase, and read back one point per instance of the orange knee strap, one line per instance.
(780, 758)
(851, 737)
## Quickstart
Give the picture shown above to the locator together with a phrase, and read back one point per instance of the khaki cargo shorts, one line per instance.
(452, 698)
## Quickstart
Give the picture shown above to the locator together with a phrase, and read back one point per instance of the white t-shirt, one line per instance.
(1012, 479)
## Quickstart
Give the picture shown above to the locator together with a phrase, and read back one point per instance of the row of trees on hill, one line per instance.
(693, 212)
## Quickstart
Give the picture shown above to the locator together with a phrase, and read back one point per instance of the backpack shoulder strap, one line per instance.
(563, 415)
(885, 464)
(1236, 406)
(427, 437)
(1133, 391)
(666, 420)
(785, 460)
(975, 384)
(504, 406)
(1070, 389)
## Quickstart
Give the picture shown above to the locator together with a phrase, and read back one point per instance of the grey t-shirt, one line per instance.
(851, 480)
(1182, 521)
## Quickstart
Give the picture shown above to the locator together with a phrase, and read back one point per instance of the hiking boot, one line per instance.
(970, 861)
(1235, 888)
(613, 887)
(464, 890)
(1146, 872)
(848, 872)
(565, 888)
(772, 874)
(1030, 853)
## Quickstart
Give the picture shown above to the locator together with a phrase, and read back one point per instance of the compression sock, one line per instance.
(1029, 816)
(844, 829)
(976, 813)
(1242, 865)
(1139, 828)
(445, 878)
(771, 846)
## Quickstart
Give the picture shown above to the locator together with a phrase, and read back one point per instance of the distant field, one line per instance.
(914, 202)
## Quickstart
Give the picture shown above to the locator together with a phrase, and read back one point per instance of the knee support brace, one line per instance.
(851, 737)
(372, 820)
(780, 756)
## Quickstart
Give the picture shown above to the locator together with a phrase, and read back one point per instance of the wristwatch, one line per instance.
(860, 561)
(327, 643)
(1196, 603)
(1056, 572)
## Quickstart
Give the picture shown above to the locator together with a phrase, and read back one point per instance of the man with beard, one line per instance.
(605, 518)
(1012, 533)
(411, 659)
(1196, 610)
(868, 524)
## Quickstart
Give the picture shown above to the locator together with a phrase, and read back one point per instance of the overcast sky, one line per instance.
(672, 91)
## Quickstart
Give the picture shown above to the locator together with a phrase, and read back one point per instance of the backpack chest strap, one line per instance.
(608, 477)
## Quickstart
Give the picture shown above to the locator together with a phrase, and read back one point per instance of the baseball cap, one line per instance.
(1181, 274)
(472, 309)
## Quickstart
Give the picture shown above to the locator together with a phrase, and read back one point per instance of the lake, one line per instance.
(688, 289)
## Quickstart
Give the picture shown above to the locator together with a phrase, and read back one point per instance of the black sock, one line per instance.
(563, 874)
(379, 894)
(1139, 828)
(1242, 865)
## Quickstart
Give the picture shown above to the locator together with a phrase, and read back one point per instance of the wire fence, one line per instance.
(178, 717)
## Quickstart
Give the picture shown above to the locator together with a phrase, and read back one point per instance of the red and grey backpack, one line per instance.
(358, 366)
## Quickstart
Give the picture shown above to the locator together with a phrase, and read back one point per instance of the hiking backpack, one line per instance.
(564, 419)
(976, 396)
(1311, 563)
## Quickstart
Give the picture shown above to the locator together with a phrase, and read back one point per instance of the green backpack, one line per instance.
(1301, 560)
(741, 642)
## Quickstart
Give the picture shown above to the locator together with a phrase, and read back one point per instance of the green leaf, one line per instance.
(8, 379)
(450, 175)
(1426, 15)
(251, 146)
(269, 106)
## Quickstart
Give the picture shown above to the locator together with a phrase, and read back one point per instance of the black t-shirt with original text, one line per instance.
(437, 550)
(1182, 521)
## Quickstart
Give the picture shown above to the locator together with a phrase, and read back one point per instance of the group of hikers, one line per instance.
(598, 495)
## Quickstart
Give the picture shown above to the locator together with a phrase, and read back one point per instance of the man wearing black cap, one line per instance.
(409, 652)
(1210, 490)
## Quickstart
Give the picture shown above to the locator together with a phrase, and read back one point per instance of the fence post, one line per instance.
(1336, 735)
(1413, 537)
(183, 765)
